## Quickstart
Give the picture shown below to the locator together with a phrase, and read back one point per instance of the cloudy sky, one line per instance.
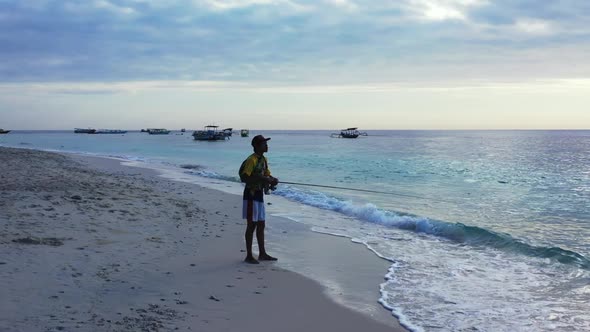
(295, 64)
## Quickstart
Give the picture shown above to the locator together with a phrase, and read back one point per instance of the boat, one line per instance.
(158, 131)
(182, 130)
(109, 131)
(209, 133)
(143, 131)
(84, 130)
(347, 133)
(244, 132)
(228, 131)
(2, 131)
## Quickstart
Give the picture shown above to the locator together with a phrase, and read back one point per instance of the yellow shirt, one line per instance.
(257, 165)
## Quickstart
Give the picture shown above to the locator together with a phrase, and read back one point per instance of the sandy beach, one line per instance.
(90, 245)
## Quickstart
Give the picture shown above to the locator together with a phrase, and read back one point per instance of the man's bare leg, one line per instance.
(263, 256)
(250, 228)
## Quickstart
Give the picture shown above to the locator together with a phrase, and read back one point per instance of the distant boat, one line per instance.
(228, 131)
(109, 131)
(158, 131)
(244, 132)
(2, 131)
(143, 131)
(210, 133)
(182, 130)
(84, 130)
(347, 133)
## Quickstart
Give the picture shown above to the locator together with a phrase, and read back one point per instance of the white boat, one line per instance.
(158, 131)
(210, 133)
(84, 130)
(228, 131)
(109, 131)
(347, 133)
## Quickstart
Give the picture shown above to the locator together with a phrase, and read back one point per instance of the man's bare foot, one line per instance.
(251, 260)
(267, 257)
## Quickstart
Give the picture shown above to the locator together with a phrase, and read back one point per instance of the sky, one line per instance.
(295, 64)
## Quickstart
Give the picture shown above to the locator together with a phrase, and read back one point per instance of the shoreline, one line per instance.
(174, 256)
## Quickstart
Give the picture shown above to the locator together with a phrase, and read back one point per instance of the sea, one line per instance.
(481, 230)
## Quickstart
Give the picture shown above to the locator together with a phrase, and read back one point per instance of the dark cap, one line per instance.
(259, 139)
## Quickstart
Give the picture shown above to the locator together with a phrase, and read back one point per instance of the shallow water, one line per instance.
(483, 229)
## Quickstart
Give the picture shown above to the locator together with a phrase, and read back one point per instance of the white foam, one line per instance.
(438, 284)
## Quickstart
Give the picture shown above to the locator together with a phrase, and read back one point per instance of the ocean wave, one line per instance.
(210, 174)
(191, 166)
(456, 232)
(121, 157)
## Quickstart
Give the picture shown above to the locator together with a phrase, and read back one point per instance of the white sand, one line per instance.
(113, 248)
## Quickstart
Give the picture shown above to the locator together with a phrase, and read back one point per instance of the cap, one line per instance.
(259, 139)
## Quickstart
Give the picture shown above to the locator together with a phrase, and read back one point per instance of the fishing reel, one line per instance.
(270, 188)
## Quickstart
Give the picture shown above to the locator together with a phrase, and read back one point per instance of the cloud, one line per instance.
(288, 41)
(134, 87)
(433, 10)
(104, 4)
(534, 27)
(233, 4)
(344, 4)
(280, 7)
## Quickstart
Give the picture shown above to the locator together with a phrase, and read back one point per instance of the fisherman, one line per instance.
(255, 173)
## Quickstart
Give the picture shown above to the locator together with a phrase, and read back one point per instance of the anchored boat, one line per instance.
(228, 131)
(347, 133)
(244, 132)
(209, 133)
(84, 130)
(2, 131)
(109, 131)
(158, 131)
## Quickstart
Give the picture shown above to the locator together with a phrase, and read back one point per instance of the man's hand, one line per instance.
(273, 181)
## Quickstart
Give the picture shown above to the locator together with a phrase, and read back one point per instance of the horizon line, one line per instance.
(332, 129)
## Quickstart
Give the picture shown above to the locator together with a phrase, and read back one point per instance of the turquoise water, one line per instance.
(483, 229)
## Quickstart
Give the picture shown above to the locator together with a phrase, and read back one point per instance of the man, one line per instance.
(255, 173)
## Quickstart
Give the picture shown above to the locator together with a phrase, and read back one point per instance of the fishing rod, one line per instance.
(363, 190)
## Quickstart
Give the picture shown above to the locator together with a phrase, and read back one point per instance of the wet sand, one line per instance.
(90, 245)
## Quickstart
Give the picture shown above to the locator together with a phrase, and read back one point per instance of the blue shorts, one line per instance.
(253, 205)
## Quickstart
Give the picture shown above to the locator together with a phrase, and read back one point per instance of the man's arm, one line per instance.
(254, 179)
(247, 175)
(272, 180)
